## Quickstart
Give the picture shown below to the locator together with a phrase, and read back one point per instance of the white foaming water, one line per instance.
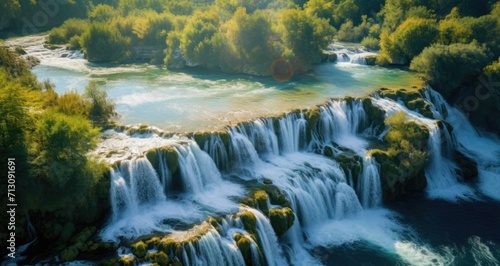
(292, 132)
(135, 183)
(481, 252)
(484, 150)
(440, 171)
(420, 255)
(370, 187)
(328, 210)
(340, 123)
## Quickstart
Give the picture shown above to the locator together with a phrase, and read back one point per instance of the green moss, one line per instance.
(402, 163)
(281, 220)
(159, 258)
(214, 223)
(312, 116)
(172, 157)
(375, 114)
(69, 254)
(371, 60)
(249, 221)
(153, 242)
(152, 156)
(244, 245)
(201, 138)
(328, 151)
(140, 249)
(126, 261)
(267, 181)
(261, 199)
(275, 195)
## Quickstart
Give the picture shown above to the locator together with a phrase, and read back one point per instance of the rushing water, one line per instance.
(337, 221)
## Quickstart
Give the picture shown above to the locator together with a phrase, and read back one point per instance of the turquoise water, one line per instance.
(194, 99)
(198, 100)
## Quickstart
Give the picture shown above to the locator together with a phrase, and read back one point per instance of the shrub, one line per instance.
(448, 66)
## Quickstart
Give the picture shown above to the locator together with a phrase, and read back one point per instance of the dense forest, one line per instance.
(454, 45)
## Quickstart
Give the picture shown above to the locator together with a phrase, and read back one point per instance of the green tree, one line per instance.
(448, 66)
(8, 8)
(250, 34)
(409, 39)
(304, 35)
(103, 42)
(201, 42)
(101, 107)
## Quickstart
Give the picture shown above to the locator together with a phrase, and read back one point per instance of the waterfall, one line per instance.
(319, 189)
(197, 168)
(217, 150)
(369, 184)
(358, 59)
(340, 122)
(270, 246)
(440, 171)
(133, 184)
(292, 132)
(483, 149)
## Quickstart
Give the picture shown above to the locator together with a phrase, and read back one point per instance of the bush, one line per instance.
(448, 66)
(101, 108)
(409, 39)
(371, 43)
(102, 42)
(69, 29)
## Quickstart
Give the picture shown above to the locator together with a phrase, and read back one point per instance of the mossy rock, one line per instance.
(224, 136)
(84, 235)
(153, 242)
(170, 246)
(172, 157)
(375, 115)
(312, 116)
(214, 223)
(244, 246)
(467, 168)
(248, 220)
(140, 249)
(69, 254)
(201, 138)
(159, 258)
(281, 220)
(371, 60)
(261, 199)
(426, 111)
(20, 50)
(267, 181)
(152, 156)
(276, 196)
(415, 104)
(327, 151)
(126, 261)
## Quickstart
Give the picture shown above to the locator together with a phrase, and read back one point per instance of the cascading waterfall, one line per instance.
(134, 183)
(292, 132)
(440, 171)
(340, 123)
(484, 150)
(281, 151)
(197, 168)
(369, 185)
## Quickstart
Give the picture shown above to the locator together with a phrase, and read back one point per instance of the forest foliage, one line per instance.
(49, 136)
